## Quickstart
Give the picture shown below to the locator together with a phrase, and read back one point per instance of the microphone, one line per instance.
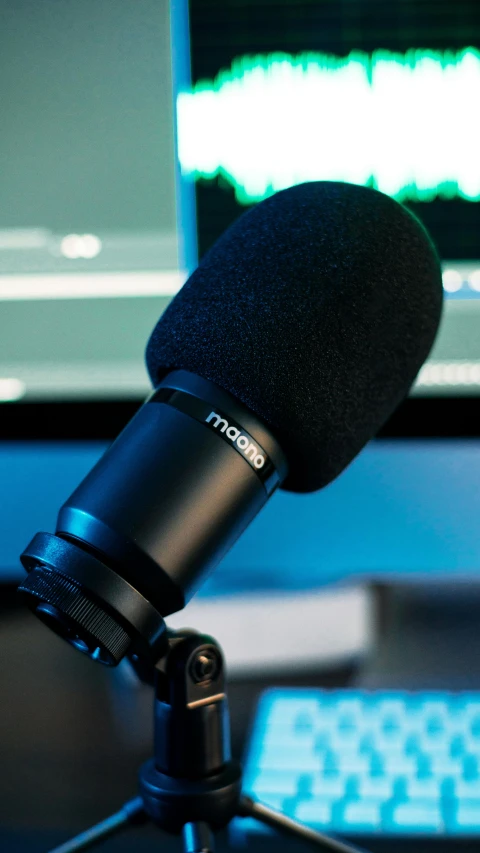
(287, 349)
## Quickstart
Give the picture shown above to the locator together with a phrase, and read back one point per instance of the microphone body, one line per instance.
(163, 505)
(174, 492)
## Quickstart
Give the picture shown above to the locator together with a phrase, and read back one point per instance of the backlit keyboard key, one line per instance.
(400, 765)
(353, 763)
(465, 817)
(289, 761)
(380, 788)
(419, 816)
(423, 789)
(362, 815)
(466, 789)
(314, 812)
(276, 783)
(443, 766)
(332, 787)
(345, 740)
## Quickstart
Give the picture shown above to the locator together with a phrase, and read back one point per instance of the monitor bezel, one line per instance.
(93, 420)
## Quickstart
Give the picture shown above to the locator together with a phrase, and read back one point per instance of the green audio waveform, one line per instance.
(407, 124)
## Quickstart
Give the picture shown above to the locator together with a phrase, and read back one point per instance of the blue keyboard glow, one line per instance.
(358, 763)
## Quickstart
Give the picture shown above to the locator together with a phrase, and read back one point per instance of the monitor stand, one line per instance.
(426, 636)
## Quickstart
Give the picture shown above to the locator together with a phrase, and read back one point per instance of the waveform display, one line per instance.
(407, 124)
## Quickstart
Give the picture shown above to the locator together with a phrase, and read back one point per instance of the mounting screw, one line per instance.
(205, 666)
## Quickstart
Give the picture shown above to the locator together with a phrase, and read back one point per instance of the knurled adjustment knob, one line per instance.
(66, 607)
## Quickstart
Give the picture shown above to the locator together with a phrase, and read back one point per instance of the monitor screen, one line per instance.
(97, 228)
(107, 138)
(381, 94)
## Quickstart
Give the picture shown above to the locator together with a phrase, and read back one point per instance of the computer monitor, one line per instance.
(97, 213)
(405, 506)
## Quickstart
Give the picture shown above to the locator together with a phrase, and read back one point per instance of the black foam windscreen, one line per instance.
(316, 309)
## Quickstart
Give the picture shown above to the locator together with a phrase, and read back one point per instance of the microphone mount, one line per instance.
(192, 786)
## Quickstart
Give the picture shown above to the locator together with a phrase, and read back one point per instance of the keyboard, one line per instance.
(364, 764)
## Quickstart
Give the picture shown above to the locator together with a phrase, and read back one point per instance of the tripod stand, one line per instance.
(192, 786)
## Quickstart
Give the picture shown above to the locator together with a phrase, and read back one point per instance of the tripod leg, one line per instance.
(197, 838)
(131, 813)
(249, 808)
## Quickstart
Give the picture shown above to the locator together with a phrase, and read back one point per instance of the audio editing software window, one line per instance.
(96, 228)
(382, 94)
